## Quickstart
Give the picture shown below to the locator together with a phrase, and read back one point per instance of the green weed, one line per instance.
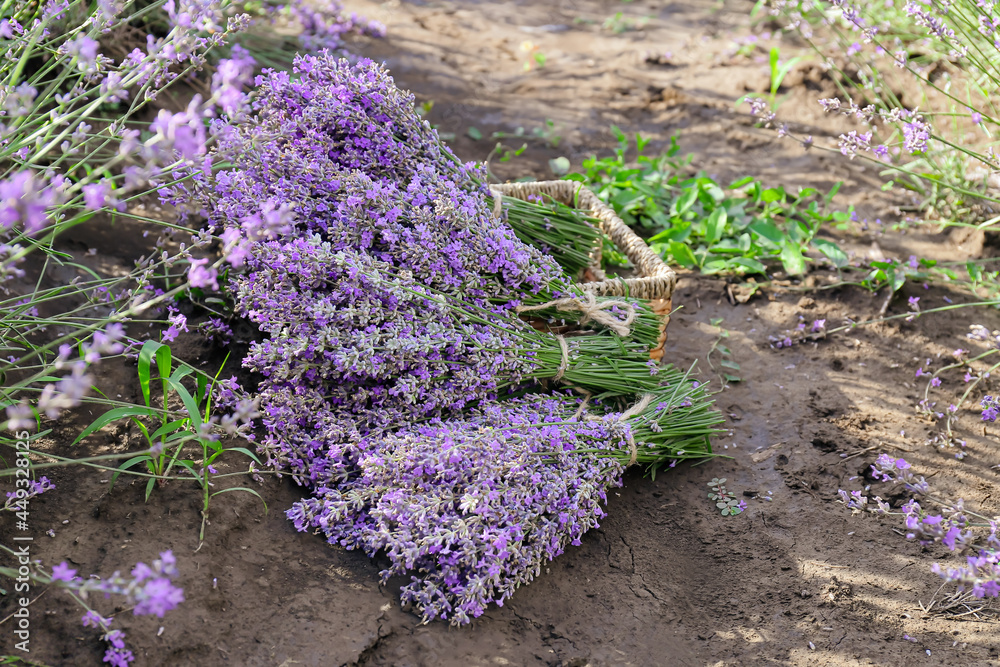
(168, 431)
(695, 222)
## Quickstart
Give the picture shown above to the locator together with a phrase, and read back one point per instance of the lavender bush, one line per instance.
(943, 149)
(953, 525)
(80, 142)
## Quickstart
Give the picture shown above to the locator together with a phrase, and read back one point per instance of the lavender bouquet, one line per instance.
(471, 508)
(341, 136)
(351, 342)
(414, 335)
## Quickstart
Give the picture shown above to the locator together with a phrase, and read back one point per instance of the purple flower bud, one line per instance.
(95, 195)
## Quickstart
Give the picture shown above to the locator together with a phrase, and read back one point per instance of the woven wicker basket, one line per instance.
(655, 282)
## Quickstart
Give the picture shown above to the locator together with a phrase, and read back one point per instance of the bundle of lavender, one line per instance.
(339, 150)
(471, 508)
(353, 342)
(393, 303)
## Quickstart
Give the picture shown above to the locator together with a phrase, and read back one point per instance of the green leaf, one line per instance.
(686, 201)
(768, 231)
(474, 134)
(167, 428)
(682, 254)
(772, 195)
(792, 259)
(748, 263)
(625, 200)
(190, 405)
(714, 266)
(833, 252)
(714, 226)
(745, 243)
(833, 191)
(897, 280)
(161, 352)
(111, 416)
(781, 73)
(975, 271)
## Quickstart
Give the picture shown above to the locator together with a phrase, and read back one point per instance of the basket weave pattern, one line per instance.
(655, 282)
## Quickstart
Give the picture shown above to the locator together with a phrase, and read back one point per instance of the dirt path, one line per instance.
(665, 581)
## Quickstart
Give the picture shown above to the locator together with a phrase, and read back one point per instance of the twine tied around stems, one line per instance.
(640, 406)
(592, 310)
(564, 362)
(497, 201)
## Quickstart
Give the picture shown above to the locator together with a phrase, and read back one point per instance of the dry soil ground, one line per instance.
(666, 580)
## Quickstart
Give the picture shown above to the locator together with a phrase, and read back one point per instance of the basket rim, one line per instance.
(656, 279)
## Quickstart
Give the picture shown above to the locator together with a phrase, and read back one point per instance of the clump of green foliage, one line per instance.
(695, 222)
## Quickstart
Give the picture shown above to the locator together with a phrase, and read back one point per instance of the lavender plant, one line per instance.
(149, 590)
(944, 150)
(952, 525)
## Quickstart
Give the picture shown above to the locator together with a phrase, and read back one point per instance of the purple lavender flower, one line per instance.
(94, 620)
(991, 408)
(231, 76)
(20, 416)
(182, 133)
(760, 109)
(84, 49)
(475, 505)
(202, 275)
(916, 133)
(63, 572)
(95, 195)
(157, 597)
(852, 142)
(25, 199)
